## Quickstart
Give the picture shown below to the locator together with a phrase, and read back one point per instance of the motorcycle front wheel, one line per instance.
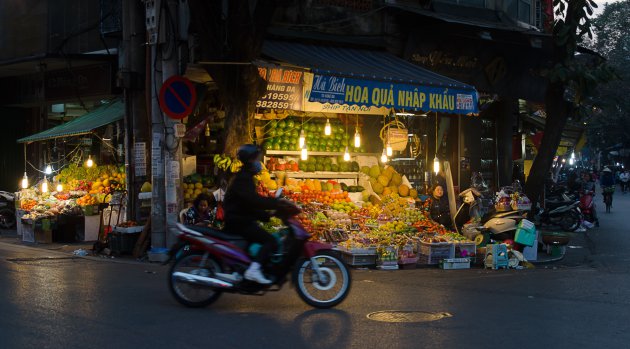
(190, 294)
(328, 290)
(7, 218)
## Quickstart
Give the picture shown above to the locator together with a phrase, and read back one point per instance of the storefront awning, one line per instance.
(84, 124)
(372, 79)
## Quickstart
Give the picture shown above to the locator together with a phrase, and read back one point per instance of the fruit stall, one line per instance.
(68, 208)
(382, 222)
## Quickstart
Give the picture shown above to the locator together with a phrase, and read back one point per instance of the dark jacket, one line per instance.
(440, 211)
(242, 204)
(607, 180)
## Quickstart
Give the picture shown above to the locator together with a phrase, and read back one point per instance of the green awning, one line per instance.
(101, 116)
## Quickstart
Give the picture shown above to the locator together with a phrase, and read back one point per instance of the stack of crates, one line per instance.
(433, 253)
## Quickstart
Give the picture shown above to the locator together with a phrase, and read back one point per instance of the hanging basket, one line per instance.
(396, 133)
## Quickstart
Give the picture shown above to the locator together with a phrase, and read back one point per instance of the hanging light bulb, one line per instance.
(436, 165)
(302, 139)
(25, 181)
(327, 128)
(346, 155)
(384, 157)
(89, 162)
(45, 186)
(357, 138)
(304, 154)
(59, 188)
(48, 169)
(207, 131)
(389, 149)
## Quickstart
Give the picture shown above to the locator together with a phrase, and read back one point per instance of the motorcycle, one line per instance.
(587, 207)
(498, 226)
(7, 210)
(208, 262)
(564, 212)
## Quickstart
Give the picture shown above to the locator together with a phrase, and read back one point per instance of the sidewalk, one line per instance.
(70, 248)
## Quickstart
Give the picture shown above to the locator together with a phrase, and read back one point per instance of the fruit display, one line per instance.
(226, 163)
(87, 200)
(194, 185)
(285, 134)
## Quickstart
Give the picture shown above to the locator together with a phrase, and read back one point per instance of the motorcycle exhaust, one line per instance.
(201, 280)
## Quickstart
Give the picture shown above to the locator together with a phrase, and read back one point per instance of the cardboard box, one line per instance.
(189, 165)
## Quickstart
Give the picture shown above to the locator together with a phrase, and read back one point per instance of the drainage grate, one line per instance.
(406, 316)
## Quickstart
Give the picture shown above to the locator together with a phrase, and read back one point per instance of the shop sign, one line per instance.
(371, 93)
(336, 108)
(284, 89)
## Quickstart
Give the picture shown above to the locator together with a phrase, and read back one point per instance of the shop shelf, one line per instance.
(315, 153)
(321, 174)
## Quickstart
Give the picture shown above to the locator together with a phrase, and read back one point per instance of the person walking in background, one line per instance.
(624, 179)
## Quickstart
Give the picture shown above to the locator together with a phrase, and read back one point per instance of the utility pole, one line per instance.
(131, 78)
(162, 24)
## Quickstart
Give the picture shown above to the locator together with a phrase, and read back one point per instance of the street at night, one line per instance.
(53, 300)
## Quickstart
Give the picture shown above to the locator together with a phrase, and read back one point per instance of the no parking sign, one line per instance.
(177, 97)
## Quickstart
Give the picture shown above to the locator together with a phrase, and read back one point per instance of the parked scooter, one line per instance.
(209, 262)
(498, 226)
(7, 210)
(564, 212)
(587, 207)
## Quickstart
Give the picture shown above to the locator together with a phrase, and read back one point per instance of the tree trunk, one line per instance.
(231, 38)
(556, 120)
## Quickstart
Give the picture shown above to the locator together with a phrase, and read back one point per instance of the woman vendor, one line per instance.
(439, 209)
(202, 211)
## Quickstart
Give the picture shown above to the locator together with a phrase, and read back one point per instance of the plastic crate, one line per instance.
(465, 250)
(455, 263)
(359, 260)
(122, 243)
(434, 253)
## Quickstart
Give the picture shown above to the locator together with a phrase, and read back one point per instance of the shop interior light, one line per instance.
(436, 161)
(346, 155)
(302, 139)
(389, 149)
(327, 128)
(25, 181)
(384, 157)
(45, 186)
(357, 138)
(89, 162)
(436, 165)
(48, 169)
(59, 188)
(304, 154)
(571, 161)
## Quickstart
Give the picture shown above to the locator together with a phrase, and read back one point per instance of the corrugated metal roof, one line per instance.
(98, 117)
(357, 63)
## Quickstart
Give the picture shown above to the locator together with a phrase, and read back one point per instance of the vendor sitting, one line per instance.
(439, 209)
(202, 212)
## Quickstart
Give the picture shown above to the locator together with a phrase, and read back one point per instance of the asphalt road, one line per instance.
(50, 300)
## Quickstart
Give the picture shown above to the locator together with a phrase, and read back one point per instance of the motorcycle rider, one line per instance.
(607, 182)
(244, 207)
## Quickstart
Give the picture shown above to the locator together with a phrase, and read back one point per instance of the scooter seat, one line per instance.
(556, 204)
(216, 233)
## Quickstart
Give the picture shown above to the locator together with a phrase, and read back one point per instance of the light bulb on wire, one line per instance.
(25, 181)
(384, 157)
(48, 169)
(327, 128)
(346, 155)
(389, 149)
(89, 162)
(357, 138)
(436, 165)
(304, 154)
(302, 139)
(59, 188)
(45, 186)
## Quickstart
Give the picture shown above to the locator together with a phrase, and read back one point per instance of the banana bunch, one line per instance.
(225, 163)
(236, 166)
(222, 162)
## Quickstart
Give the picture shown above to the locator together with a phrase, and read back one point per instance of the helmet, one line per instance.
(247, 152)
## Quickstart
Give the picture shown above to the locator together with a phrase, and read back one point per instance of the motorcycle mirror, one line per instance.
(279, 192)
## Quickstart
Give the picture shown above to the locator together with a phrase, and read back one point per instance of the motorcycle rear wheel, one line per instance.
(570, 221)
(190, 295)
(318, 293)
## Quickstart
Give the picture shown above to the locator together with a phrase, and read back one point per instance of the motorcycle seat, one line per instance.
(219, 234)
(555, 204)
